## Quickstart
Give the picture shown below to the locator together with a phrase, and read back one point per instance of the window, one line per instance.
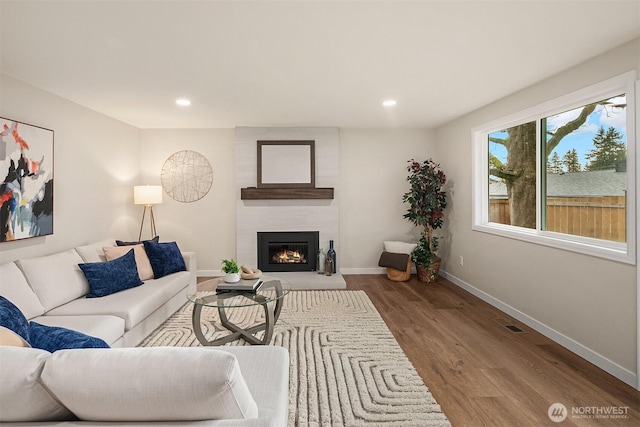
(557, 174)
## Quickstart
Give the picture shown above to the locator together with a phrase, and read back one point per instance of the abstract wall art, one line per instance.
(26, 192)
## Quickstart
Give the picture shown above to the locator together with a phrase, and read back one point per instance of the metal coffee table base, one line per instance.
(271, 316)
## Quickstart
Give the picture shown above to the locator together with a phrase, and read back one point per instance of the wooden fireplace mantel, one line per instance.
(254, 193)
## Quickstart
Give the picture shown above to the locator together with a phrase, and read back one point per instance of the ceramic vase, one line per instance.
(232, 277)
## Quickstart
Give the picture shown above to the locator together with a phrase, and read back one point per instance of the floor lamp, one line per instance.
(147, 195)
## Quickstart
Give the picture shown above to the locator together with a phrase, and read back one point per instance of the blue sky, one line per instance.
(582, 138)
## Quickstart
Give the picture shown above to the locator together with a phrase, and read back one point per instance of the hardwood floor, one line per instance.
(482, 373)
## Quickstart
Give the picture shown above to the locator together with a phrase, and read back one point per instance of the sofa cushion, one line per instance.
(142, 260)
(106, 327)
(109, 277)
(56, 279)
(93, 252)
(54, 338)
(132, 305)
(22, 396)
(165, 258)
(123, 243)
(12, 318)
(10, 338)
(15, 288)
(149, 384)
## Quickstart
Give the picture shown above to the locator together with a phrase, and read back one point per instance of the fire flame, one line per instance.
(289, 257)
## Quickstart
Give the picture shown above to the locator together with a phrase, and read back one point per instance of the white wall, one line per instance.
(95, 165)
(373, 176)
(588, 303)
(207, 226)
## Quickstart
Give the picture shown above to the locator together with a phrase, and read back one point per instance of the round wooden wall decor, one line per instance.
(186, 176)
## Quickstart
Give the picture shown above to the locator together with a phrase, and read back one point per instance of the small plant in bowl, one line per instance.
(231, 270)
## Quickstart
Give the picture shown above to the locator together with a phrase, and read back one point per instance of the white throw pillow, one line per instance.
(142, 260)
(93, 251)
(399, 247)
(22, 397)
(149, 384)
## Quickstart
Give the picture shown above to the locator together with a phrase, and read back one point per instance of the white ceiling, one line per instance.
(300, 63)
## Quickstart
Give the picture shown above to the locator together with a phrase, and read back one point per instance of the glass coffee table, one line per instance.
(269, 296)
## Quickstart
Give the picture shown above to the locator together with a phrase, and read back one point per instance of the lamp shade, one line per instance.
(147, 194)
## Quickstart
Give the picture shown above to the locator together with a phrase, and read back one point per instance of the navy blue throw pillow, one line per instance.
(52, 338)
(12, 318)
(122, 243)
(165, 258)
(106, 278)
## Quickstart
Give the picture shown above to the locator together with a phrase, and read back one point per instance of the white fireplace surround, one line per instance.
(286, 215)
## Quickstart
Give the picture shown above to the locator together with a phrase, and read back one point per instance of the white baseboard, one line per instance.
(374, 270)
(600, 361)
(209, 273)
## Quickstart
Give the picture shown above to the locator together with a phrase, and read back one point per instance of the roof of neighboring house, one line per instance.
(575, 184)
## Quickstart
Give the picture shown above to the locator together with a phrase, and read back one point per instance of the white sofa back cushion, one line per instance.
(93, 252)
(56, 279)
(22, 397)
(149, 384)
(15, 288)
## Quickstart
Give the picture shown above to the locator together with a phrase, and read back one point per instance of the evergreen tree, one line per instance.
(571, 161)
(609, 149)
(554, 165)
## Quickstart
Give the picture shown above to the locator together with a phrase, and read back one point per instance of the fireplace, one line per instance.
(287, 250)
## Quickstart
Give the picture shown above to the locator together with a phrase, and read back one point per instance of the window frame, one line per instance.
(616, 251)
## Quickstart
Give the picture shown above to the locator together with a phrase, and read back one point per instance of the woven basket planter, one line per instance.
(428, 274)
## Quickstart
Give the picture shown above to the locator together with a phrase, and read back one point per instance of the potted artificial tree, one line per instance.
(426, 202)
(231, 270)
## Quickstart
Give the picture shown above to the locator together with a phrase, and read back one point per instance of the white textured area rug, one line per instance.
(346, 367)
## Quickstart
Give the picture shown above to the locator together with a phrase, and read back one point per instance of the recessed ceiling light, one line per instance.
(183, 101)
(389, 103)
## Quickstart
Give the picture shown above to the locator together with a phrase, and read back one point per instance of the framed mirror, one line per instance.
(286, 164)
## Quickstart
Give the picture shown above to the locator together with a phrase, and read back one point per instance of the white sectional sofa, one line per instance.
(51, 290)
(127, 385)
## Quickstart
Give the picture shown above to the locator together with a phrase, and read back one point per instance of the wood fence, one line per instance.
(597, 217)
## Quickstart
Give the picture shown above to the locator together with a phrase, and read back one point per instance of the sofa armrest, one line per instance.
(265, 368)
(192, 267)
